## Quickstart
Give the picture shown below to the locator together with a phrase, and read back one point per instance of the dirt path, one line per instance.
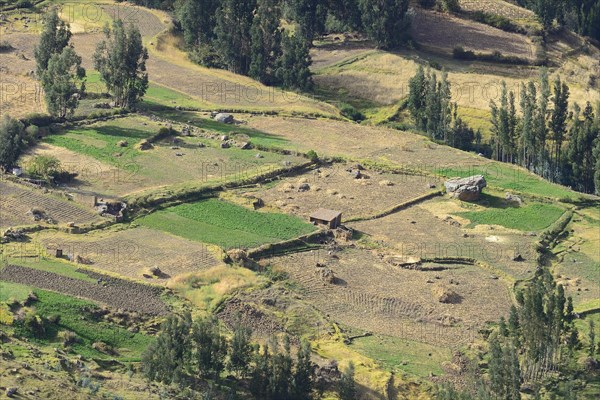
(116, 293)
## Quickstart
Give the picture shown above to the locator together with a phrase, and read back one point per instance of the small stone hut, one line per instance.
(330, 218)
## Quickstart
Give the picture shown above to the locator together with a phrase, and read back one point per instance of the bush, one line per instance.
(12, 141)
(427, 3)
(312, 156)
(451, 5)
(461, 54)
(352, 113)
(206, 56)
(43, 167)
(5, 47)
(497, 21)
(24, 4)
(38, 119)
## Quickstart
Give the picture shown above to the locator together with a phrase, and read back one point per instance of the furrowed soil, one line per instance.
(116, 293)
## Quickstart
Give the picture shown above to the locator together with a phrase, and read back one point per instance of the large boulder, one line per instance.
(224, 118)
(466, 189)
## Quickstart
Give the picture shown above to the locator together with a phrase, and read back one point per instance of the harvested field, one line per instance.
(336, 138)
(147, 22)
(263, 324)
(502, 8)
(133, 252)
(17, 200)
(116, 293)
(336, 187)
(432, 29)
(330, 51)
(372, 294)
(429, 230)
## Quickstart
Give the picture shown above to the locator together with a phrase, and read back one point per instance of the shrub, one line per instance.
(43, 167)
(451, 5)
(5, 47)
(38, 119)
(206, 56)
(312, 156)
(12, 141)
(427, 3)
(24, 4)
(68, 338)
(461, 54)
(497, 21)
(352, 113)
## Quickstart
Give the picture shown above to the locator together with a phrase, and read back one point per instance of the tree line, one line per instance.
(539, 340)
(190, 352)
(247, 37)
(582, 16)
(541, 133)
(547, 138)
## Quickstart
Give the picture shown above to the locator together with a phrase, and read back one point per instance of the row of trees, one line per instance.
(188, 351)
(120, 59)
(582, 16)
(430, 104)
(247, 37)
(546, 137)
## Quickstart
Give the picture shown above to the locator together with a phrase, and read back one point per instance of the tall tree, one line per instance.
(233, 34)
(347, 385)
(384, 21)
(558, 122)
(303, 374)
(198, 20)
(293, 67)
(56, 35)
(266, 41)
(210, 347)
(310, 16)
(12, 141)
(416, 98)
(241, 349)
(63, 82)
(121, 61)
(165, 359)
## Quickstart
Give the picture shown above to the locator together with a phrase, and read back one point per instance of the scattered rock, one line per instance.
(225, 145)
(513, 198)
(11, 391)
(224, 118)
(446, 295)
(386, 183)
(123, 143)
(305, 187)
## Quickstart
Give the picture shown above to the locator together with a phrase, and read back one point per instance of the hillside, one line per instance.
(166, 247)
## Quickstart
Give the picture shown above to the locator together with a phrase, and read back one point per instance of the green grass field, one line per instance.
(393, 353)
(226, 225)
(13, 291)
(528, 217)
(100, 140)
(74, 317)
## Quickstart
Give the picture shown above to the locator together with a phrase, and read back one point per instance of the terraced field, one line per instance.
(116, 293)
(133, 252)
(16, 201)
(371, 294)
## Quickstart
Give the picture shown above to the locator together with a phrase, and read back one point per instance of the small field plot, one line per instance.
(343, 187)
(368, 292)
(431, 29)
(114, 292)
(431, 230)
(528, 217)
(17, 203)
(110, 162)
(336, 138)
(415, 358)
(226, 225)
(134, 252)
(578, 269)
(503, 8)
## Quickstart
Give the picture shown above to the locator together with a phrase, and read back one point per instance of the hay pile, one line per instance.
(446, 295)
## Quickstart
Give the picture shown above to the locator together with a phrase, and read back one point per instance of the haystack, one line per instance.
(446, 295)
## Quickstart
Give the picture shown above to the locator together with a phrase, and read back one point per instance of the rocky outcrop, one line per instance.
(466, 189)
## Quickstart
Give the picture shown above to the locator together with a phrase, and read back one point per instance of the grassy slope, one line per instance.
(225, 224)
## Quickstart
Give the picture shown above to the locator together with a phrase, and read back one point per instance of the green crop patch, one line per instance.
(75, 317)
(528, 217)
(226, 224)
(105, 141)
